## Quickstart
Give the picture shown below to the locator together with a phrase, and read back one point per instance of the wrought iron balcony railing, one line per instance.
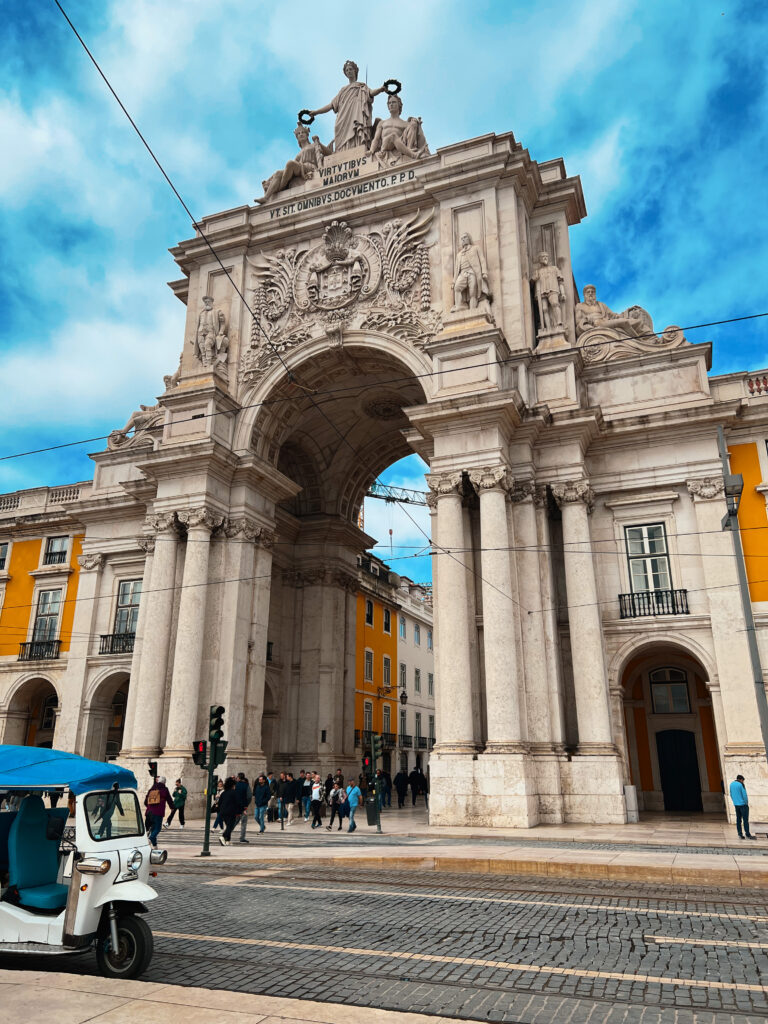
(421, 742)
(406, 740)
(389, 739)
(653, 602)
(39, 650)
(54, 557)
(117, 643)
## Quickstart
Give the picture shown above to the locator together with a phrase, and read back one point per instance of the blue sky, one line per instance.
(661, 107)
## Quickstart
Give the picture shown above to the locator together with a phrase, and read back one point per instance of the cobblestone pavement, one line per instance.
(484, 947)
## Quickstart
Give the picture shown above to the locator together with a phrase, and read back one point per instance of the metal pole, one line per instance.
(206, 851)
(746, 601)
(375, 787)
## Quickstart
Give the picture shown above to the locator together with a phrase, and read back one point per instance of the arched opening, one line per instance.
(104, 720)
(672, 750)
(31, 717)
(333, 447)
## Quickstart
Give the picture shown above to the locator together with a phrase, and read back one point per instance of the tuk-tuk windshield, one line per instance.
(113, 815)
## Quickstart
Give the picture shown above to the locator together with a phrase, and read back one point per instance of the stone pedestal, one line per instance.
(493, 789)
(552, 340)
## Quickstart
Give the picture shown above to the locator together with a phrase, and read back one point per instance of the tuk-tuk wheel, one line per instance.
(135, 947)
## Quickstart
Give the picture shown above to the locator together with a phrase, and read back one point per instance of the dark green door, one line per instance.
(679, 770)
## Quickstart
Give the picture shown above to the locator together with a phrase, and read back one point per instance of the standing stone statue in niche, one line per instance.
(211, 343)
(590, 313)
(470, 282)
(395, 138)
(303, 166)
(550, 294)
(353, 107)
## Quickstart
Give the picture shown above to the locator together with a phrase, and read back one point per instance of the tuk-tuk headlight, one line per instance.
(135, 861)
(93, 866)
(158, 856)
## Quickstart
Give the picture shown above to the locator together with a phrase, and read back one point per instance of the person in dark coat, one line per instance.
(290, 796)
(414, 781)
(244, 794)
(229, 809)
(261, 795)
(401, 785)
(156, 800)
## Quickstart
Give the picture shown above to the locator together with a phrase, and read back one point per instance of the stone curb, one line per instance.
(691, 871)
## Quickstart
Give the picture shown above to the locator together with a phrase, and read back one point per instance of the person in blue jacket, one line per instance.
(741, 805)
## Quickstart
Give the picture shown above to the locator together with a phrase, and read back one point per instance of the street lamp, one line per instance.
(384, 691)
(734, 485)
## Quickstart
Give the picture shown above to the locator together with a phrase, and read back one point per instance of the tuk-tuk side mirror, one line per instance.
(54, 828)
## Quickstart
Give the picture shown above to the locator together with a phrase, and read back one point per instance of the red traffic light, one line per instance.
(199, 751)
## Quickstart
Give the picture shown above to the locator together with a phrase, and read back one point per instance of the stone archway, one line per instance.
(30, 719)
(671, 753)
(104, 717)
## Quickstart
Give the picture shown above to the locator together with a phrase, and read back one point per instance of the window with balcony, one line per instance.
(47, 618)
(387, 674)
(368, 670)
(432, 728)
(649, 575)
(417, 725)
(56, 551)
(403, 632)
(369, 613)
(3, 555)
(387, 620)
(417, 634)
(669, 692)
(429, 639)
(386, 720)
(403, 721)
(403, 676)
(417, 680)
(368, 716)
(127, 613)
(430, 684)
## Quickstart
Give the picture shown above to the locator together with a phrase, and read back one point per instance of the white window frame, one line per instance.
(368, 665)
(417, 725)
(386, 679)
(403, 722)
(386, 718)
(647, 558)
(430, 684)
(403, 676)
(417, 680)
(368, 716)
(416, 635)
(387, 621)
(403, 628)
(37, 617)
(7, 560)
(430, 642)
(368, 605)
(45, 549)
(133, 607)
(432, 728)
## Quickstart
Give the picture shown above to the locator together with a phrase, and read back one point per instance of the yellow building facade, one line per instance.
(376, 709)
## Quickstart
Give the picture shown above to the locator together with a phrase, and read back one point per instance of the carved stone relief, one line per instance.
(490, 477)
(200, 518)
(445, 483)
(145, 423)
(706, 488)
(378, 281)
(571, 491)
(90, 561)
(603, 335)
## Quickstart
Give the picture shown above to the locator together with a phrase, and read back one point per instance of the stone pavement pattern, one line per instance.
(473, 947)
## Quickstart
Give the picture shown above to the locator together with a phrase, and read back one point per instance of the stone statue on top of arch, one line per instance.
(353, 107)
(394, 139)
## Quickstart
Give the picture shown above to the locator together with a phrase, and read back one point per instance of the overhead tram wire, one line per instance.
(358, 388)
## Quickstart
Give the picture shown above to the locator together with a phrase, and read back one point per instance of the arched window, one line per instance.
(669, 691)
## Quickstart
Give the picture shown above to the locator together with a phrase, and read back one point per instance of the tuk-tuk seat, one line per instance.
(33, 861)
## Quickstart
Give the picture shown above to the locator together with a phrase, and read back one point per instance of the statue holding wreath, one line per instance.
(353, 107)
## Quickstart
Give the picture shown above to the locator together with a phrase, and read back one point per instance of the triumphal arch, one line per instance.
(380, 298)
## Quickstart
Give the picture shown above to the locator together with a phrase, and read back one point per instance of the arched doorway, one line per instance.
(104, 719)
(332, 449)
(31, 716)
(672, 749)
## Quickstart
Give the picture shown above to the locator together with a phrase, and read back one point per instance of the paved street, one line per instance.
(471, 946)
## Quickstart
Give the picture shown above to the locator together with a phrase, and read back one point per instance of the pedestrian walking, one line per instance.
(272, 805)
(336, 800)
(306, 794)
(244, 795)
(328, 786)
(316, 801)
(414, 781)
(218, 822)
(354, 797)
(290, 797)
(179, 797)
(261, 797)
(741, 805)
(387, 788)
(229, 809)
(401, 786)
(156, 800)
(339, 777)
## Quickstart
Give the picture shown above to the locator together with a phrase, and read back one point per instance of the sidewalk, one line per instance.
(39, 998)
(685, 850)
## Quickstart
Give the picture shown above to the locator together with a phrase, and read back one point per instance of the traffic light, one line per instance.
(199, 750)
(219, 753)
(376, 746)
(216, 723)
(367, 765)
(152, 766)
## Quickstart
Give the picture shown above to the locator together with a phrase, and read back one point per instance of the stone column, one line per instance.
(549, 615)
(503, 679)
(153, 668)
(70, 733)
(575, 498)
(452, 663)
(264, 541)
(146, 544)
(190, 630)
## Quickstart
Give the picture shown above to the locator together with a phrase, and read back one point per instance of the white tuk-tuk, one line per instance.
(69, 884)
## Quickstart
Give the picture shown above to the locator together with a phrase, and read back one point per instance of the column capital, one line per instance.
(200, 518)
(523, 490)
(146, 544)
(90, 561)
(265, 538)
(445, 483)
(571, 491)
(706, 488)
(540, 497)
(162, 522)
(240, 526)
(346, 581)
(491, 478)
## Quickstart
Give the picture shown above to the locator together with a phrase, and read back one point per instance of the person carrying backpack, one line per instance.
(155, 802)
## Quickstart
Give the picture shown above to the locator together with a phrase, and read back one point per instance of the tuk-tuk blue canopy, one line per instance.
(40, 768)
